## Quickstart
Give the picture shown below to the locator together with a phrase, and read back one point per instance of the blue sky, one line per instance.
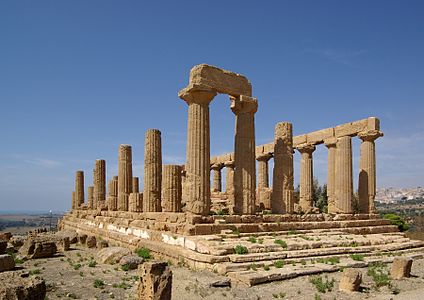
(78, 78)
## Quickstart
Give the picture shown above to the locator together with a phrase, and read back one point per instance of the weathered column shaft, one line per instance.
(197, 183)
(282, 197)
(344, 181)
(244, 108)
(152, 171)
(171, 188)
(112, 198)
(135, 202)
(263, 177)
(79, 188)
(99, 183)
(74, 202)
(90, 197)
(229, 184)
(306, 177)
(331, 177)
(367, 171)
(135, 185)
(217, 179)
(124, 176)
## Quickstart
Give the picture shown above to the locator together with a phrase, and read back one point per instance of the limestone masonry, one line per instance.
(182, 216)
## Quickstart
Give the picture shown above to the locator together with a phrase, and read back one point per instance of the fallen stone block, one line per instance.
(14, 286)
(401, 267)
(112, 255)
(155, 281)
(7, 263)
(72, 235)
(5, 236)
(82, 239)
(17, 241)
(3, 246)
(221, 283)
(351, 280)
(38, 247)
(132, 261)
(102, 244)
(91, 241)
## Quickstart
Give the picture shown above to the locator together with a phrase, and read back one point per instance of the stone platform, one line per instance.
(303, 243)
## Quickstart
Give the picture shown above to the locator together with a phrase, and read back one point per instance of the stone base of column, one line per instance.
(135, 202)
(112, 203)
(264, 198)
(288, 197)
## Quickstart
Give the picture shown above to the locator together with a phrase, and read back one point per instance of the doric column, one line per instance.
(217, 181)
(367, 171)
(99, 183)
(344, 182)
(74, 202)
(135, 185)
(229, 184)
(197, 183)
(112, 198)
(152, 171)
(79, 188)
(306, 177)
(124, 176)
(171, 188)
(135, 202)
(90, 197)
(331, 174)
(264, 192)
(282, 197)
(244, 108)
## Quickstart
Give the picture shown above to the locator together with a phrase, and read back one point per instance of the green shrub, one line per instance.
(239, 249)
(125, 267)
(329, 260)
(98, 283)
(281, 243)
(252, 239)
(266, 268)
(92, 263)
(292, 232)
(378, 272)
(398, 221)
(321, 285)
(34, 272)
(144, 253)
(357, 257)
(253, 267)
(279, 263)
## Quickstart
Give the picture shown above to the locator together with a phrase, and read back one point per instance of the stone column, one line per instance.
(197, 183)
(367, 173)
(74, 203)
(99, 183)
(124, 176)
(135, 202)
(135, 185)
(152, 171)
(217, 182)
(344, 182)
(282, 197)
(171, 188)
(244, 108)
(331, 174)
(229, 184)
(90, 197)
(306, 177)
(264, 192)
(112, 198)
(79, 188)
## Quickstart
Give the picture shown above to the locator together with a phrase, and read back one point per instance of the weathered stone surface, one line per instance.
(90, 197)
(72, 235)
(91, 241)
(102, 244)
(222, 81)
(112, 198)
(351, 280)
(171, 188)
(244, 108)
(135, 202)
(14, 287)
(344, 180)
(217, 181)
(79, 188)
(82, 238)
(38, 247)
(306, 177)
(152, 171)
(221, 283)
(7, 262)
(124, 176)
(5, 236)
(135, 185)
(155, 281)
(317, 137)
(99, 183)
(401, 267)
(132, 261)
(331, 174)
(112, 255)
(3, 246)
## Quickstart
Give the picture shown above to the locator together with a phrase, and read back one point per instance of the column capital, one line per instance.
(370, 135)
(229, 164)
(306, 148)
(196, 93)
(243, 104)
(264, 157)
(330, 142)
(217, 166)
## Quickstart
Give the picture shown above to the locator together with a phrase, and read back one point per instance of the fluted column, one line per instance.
(99, 183)
(197, 183)
(152, 171)
(171, 188)
(79, 188)
(306, 177)
(229, 184)
(244, 108)
(217, 181)
(90, 197)
(331, 174)
(344, 180)
(112, 198)
(74, 202)
(264, 191)
(282, 198)
(135, 185)
(367, 171)
(124, 176)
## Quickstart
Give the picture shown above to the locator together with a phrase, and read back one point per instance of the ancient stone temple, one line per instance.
(201, 212)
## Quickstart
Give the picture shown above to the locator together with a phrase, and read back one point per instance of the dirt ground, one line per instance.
(77, 275)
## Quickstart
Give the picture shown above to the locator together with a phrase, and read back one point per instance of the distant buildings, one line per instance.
(393, 195)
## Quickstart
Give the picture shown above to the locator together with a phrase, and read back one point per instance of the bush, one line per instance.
(144, 253)
(239, 249)
(379, 274)
(281, 243)
(357, 257)
(398, 221)
(125, 267)
(252, 239)
(279, 263)
(92, 263)
(321, 285)
(98, 283)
